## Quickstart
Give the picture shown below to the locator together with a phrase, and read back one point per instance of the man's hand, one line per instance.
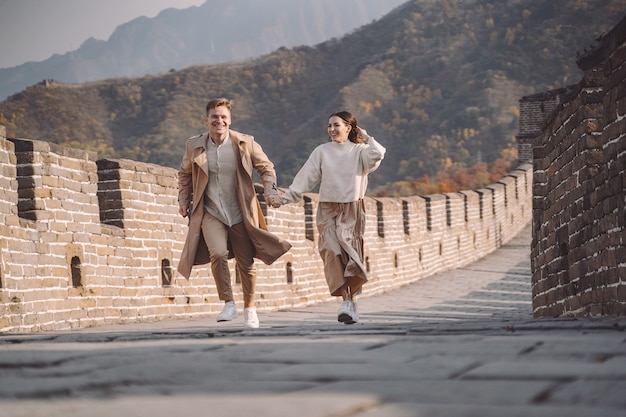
(275, 201)
(183, 210)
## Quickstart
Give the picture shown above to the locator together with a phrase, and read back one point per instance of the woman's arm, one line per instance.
(373, 153)
(305, 180)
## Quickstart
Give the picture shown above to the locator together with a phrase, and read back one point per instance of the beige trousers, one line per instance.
(340, 244)
(219, 239)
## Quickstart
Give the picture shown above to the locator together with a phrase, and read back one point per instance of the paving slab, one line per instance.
(460, 343)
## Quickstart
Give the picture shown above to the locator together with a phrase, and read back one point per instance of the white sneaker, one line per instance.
(228, 313)
(355, 312)
(250, 319)
(347, 313)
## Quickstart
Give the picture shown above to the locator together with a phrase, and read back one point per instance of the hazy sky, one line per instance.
(34, 30)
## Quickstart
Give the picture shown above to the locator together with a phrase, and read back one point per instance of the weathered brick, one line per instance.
(579, 182)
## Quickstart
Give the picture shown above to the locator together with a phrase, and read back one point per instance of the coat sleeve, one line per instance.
(265, 168)
(185, 182)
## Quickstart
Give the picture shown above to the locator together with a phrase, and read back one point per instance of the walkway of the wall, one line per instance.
(579, 207)
(87, 242)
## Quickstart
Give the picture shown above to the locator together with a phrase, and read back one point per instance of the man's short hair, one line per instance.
(217, 102)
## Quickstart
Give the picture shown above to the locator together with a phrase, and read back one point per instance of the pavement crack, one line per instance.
(544, 396)
(376, 346)
(465, 370)
(530, 349)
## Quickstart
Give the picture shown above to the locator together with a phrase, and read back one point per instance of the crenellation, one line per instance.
(436, 213)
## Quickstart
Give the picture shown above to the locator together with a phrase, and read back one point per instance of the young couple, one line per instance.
(216, 192)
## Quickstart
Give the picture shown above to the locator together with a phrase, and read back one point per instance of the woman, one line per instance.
(340, 167)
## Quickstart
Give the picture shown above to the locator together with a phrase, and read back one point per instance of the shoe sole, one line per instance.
(345, 318)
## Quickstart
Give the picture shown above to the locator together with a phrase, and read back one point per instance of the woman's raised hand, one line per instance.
(362, 133)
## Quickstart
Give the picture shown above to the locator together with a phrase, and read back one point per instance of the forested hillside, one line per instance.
(437, 82)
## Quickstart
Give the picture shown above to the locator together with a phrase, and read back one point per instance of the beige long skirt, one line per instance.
(341, 227)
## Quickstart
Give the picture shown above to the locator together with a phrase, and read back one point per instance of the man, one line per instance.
(216, 191)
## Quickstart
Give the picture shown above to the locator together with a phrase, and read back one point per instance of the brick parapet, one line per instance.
(100, 241)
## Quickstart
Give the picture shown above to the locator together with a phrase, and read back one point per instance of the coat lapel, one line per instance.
(201, 159)
(240, 151)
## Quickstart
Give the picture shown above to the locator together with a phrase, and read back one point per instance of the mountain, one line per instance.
(436, 82)
(212, 33)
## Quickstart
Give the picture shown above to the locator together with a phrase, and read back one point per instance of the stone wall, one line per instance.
(87, 242)
(578, 252)
(533, 111)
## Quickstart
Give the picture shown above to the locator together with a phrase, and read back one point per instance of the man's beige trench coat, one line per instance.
(193, 177)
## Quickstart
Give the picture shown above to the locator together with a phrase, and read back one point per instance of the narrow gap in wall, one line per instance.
(405, 216)
(75, 267)
(309, 225)
(480, 204)
(166, 272)
(465, 208)
(419, 255)
(395, 260)
(379, 217)
(110, 200)
(26, 182)
(367, 264)
(289, 270)
(526, 183)
(440, 249)
(448, 211)
(260, 195)
(429, 225)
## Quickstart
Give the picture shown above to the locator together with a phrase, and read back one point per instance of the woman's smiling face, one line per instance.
(338, 129)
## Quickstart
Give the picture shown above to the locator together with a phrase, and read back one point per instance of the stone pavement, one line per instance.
(461, 343)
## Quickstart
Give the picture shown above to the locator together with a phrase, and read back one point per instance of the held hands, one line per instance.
(274, 200)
